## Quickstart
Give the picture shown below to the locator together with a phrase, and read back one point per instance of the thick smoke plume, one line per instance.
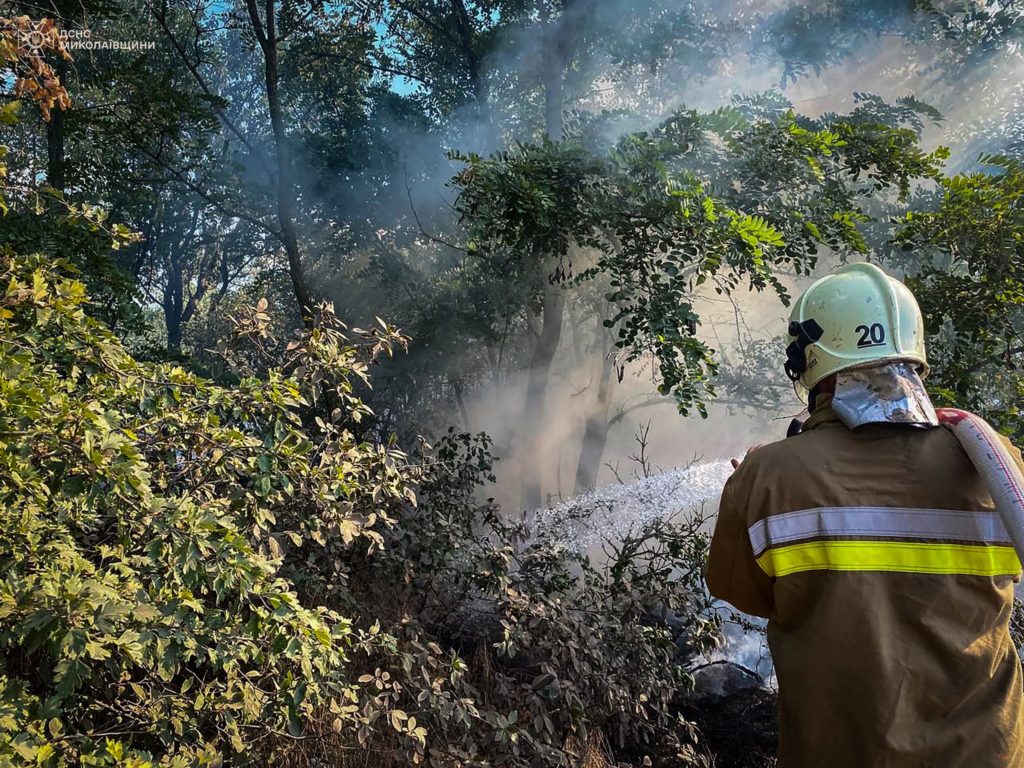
(819, 56)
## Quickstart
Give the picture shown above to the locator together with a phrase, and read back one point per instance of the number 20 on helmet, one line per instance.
(856, 317)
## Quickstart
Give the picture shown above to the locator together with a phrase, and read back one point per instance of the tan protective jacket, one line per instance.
(887, 580)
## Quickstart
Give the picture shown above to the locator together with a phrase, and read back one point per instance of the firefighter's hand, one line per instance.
(751, 449)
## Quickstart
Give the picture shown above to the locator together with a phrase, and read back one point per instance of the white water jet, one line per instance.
(613, 512)
(583, 522)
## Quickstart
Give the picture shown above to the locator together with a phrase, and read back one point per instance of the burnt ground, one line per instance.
(739, 730)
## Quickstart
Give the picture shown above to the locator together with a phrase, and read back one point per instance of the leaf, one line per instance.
(398, 717)
(10, 112)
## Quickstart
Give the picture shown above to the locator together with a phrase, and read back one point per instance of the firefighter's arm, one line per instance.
(732, 572)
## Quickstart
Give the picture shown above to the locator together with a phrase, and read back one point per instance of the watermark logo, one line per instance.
(83, 40)
(31, 37)
(34, 37)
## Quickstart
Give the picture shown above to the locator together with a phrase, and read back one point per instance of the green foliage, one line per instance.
(561, 647)
(809, 37)
(968, 276)
(145, 614)
(533, 200)
(250, 571)
(722, 199)
(198, 573)
(43, 221)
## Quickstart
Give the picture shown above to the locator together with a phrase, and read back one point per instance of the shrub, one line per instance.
(198, 573)
(563, 650)
(144, 611)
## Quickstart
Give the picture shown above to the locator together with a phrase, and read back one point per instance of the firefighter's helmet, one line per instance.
(854, 318)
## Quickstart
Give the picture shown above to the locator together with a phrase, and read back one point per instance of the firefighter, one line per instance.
(870, 544)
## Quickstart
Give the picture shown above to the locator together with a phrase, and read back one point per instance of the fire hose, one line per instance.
(998, 470)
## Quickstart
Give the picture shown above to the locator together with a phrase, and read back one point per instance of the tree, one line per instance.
(717, 199)
(135, 113)
(190, 257)
(440, 46)
(600, 45)
(265, 28)
(963, 256)
(454, 54)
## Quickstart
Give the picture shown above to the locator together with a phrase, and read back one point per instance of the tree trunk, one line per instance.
(465, 28)
(536, 391)
(173, 304)
(553, 122)
(173, 333)
(180, 253)
(556, 58)
(463, 412)
(266, 34)
(595, 435)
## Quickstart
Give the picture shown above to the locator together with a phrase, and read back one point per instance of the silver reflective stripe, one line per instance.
(883, 522)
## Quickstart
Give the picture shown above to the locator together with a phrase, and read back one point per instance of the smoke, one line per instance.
(642, 61)
(646, 433)
(645, 60)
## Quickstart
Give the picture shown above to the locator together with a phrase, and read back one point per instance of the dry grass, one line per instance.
(593, 753)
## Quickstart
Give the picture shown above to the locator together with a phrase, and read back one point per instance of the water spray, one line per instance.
(615, 511)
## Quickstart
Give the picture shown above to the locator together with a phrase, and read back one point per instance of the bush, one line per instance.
(144, 609)
(563, 651)
(199, 573)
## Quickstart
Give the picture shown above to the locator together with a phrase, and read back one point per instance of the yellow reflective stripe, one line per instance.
(909, 557)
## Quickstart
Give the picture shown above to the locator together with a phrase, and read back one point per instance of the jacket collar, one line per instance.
(823, 413)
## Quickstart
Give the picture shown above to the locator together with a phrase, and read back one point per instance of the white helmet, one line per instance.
(854, 318)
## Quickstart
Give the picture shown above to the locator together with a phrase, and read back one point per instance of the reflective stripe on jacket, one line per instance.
(887, 580)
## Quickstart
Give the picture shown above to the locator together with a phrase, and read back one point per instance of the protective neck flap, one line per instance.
(892, 393)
